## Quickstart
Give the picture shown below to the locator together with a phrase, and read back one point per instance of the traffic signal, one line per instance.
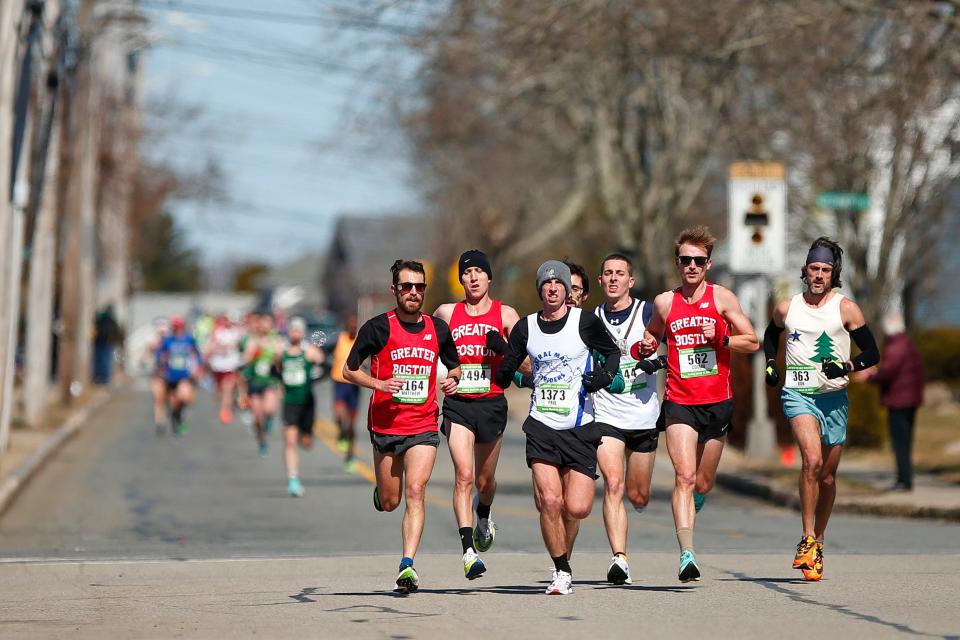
(757, 217)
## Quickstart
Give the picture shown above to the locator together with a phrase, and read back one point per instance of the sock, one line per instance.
(292, 476)
(685, 538)
(466, 538)
(562, 564)
(483, 510)
(178, 414)
(405, 562)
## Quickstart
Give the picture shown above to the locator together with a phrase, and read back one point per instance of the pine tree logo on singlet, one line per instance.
(824, 349)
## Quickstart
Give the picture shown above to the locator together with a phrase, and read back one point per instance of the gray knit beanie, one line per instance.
(553, 270)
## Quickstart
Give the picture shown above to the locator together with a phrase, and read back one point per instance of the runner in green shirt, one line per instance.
(297, 364)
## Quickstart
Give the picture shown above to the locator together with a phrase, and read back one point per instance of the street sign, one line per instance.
(757, 200)
(840, 201)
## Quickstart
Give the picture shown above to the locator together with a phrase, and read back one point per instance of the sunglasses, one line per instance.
(406, 287)
(698, 260)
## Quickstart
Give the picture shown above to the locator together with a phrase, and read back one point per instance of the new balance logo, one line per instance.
(704, 305)
(428, 337)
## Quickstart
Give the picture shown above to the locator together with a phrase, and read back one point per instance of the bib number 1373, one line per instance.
(698, 362)
(552, 398)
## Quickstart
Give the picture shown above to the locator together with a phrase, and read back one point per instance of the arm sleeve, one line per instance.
(771, 340)
(448, 349)
(516, 352)
(371, 339)
(869, 353)
(595, 336)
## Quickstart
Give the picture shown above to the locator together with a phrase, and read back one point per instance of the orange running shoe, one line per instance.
(816, 572)
(226, 416)
(806, 551)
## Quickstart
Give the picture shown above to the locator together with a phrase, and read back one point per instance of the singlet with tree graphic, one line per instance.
(813, 336)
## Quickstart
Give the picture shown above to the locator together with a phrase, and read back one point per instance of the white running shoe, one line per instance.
(562, 584)
(619, 571)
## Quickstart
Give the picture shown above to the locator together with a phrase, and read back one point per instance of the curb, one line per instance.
(747, 484)
(12, 485)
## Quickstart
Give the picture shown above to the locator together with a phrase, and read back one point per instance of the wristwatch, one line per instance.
(726, 341)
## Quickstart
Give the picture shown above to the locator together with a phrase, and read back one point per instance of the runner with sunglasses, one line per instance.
(404, 347)
(474, 418)
(703, 324)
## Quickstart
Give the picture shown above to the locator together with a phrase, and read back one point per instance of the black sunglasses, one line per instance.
(405, 287)
(698, 260)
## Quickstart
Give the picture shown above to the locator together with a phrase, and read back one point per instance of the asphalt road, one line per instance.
(125, 534)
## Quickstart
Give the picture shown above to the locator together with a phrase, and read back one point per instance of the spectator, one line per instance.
(105, 341)
(900, 376)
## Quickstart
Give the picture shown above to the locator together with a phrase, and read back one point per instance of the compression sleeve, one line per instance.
(771, 340)
(371, 339)
(869, 353)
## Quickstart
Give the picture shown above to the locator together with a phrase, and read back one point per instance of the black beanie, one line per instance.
(475, 258)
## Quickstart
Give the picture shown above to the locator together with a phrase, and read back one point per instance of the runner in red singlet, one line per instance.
(404, 346)
(703, 324)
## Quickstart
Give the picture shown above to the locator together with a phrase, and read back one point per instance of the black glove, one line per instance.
(496, 343)
(833, 369)
(652, 365)
(773, 376)
(596, 380)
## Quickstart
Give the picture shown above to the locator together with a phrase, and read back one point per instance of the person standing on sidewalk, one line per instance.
(562, 438)
(819, 324)
(900, 377)
(475, 417)
(404, 347)
(702, 323)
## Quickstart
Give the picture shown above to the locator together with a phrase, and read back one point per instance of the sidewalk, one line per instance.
(861, 487)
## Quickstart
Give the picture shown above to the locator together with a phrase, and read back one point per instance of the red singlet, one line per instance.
(477, 362)
(698, 372)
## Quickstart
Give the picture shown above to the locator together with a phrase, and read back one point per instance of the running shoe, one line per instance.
(484, 534)
(473, 566)
(408, 581)
(263, 449)
(350, 465)
(640, 509)
(295, 488)
(343, 445)
(181, 428)
(816, 573)
(226, 416)
(376, 499)
(688, 567)
(619, 571)
(698, 500)
(561, 584)
(806, 552)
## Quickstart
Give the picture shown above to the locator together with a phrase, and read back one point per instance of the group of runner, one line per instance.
(594, 400)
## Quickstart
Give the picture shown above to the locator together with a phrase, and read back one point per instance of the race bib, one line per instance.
(262, 368)
(552, 398)
(802, 378)
(294, 376)
(475, 378)
(178, 361)
(414, 389)
(698, 362)
(634, 378)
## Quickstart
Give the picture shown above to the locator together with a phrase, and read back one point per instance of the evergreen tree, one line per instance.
(824, 348)
(163, 259)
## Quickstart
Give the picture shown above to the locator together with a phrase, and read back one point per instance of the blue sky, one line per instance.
(295, 112)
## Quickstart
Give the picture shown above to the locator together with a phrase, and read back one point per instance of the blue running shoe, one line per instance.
(263, 449)
(698, 500)
(295, 488)
(688, 567)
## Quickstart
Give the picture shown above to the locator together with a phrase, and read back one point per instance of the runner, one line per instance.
(262, 349)
(475, 417)
(562, 439)
(296, 365)
(579, 285)
(703, 324)
(819, 324)
(628, 420)
(403, 346)
(181, 362)
(224, 359)
(346, 396)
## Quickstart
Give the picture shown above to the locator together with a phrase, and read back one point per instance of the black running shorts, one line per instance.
(300, 416)
(486, 417)
(574, 449)
(711, 421)
(639, 440)
(385, 443)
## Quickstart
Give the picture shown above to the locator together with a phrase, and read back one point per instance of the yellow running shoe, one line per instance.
(805, 553)
(816, 572)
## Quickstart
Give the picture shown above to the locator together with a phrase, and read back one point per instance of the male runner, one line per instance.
(181, 362)
(579, 285)
(223, 359)
(475, 417)
(262, 349)
(819, 324)
(562, 438)
(296, 365)
(627, 420)
(404, 346)
(346, 396)
(703, 324)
